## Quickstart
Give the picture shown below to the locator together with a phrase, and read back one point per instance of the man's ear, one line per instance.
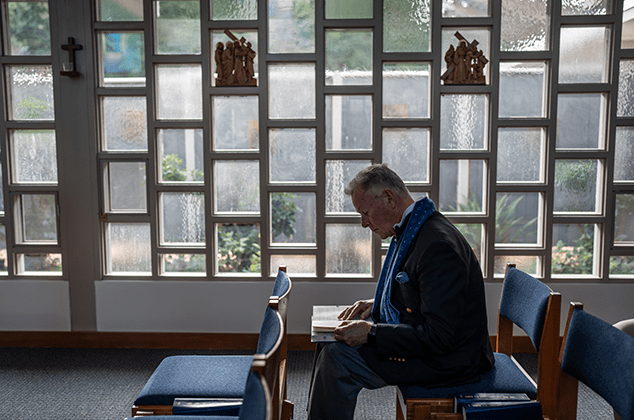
(389, 197)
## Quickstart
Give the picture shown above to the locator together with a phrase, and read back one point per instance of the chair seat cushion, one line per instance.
(504, 377)
(196, 377)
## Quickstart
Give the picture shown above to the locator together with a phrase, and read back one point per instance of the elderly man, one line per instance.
(427, 323)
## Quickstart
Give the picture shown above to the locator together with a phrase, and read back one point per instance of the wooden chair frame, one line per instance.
(442, 408)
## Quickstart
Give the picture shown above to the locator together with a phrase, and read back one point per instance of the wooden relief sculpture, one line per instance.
(234, 62)
(465, 64)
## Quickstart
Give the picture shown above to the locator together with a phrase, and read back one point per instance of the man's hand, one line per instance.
(362, 309)
(353, 333)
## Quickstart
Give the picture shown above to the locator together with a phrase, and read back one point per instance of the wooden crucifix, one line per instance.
(69, 67)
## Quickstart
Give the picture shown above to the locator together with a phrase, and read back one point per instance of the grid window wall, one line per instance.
(199, 178)
(30, 239)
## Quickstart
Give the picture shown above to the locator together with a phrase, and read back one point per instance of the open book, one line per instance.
(324, 321)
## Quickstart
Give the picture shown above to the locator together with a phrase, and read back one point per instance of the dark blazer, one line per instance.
(443, 337)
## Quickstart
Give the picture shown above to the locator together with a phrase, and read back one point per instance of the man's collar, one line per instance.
(400, 227)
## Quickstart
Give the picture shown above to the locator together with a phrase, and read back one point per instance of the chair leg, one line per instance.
(287, 410)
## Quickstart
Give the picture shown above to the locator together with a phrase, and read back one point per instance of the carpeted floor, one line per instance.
(101, 384)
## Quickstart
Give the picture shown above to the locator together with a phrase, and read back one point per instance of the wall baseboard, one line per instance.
(144, 340)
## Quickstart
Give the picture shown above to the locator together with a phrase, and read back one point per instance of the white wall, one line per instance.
(235, 306)
(34, 305)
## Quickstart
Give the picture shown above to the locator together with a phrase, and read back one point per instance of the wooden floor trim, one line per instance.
(143, 340)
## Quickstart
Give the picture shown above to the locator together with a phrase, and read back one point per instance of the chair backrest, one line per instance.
(257, 402)
(279, 300)
(269, 356)
(271, 332)
(524, 301)
(599, 355)
(281, 292)
(536, 309)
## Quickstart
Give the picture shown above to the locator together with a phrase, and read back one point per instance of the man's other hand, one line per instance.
(362, 309)
(353, 333)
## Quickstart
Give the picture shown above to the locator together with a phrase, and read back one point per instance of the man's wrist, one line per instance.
(372, 335)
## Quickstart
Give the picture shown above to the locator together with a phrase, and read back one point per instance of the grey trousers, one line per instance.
(339, 375)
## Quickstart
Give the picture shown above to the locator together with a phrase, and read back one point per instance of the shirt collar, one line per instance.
(398, 228)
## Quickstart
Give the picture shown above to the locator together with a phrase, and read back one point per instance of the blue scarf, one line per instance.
(394, 259)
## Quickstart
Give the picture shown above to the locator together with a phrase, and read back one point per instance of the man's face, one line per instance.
(377, 213)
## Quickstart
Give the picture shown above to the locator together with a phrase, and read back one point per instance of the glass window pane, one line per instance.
(124, 123)
(474, 234)
(126, 187)
(583, 7)
(1, 192)
(406, 151)
(31, 93)
(235, 122)
(465, 8)
(517, 219)
(464, 122)
(622, 266)
(478, 37)
(179, 94)
(573, 249)
(297, 265)
(34, 157)
(339, 173)
(406, 25)
(348, 122)
(623, 217)
(576, 184)
(624, 154)
(238, 248)
(523, 89)
(181, 155)
(182, 218)
(3, 251)
(293, 218)
(237, 186)
(530, 264)
(116, 10)
(42, 264)
(292, 91)
(583, 54)
(525, 25)
(521, 154)
(37, 218)
(129, 250)
(122, 61)
(234, 10)
(185, 265)
(177, 27)
(348, 57)
(291, 26)
(406, 90)
(348, 250)
(348, 9)
(235, 58)
(462, 186)
(29, 29)
(627, 34)
(625, 103)
(292, 154)
(581, 120)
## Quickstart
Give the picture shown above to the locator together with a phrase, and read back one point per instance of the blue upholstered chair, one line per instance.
(224, 376)
(599, 355)
(535, 308)
(257, 404)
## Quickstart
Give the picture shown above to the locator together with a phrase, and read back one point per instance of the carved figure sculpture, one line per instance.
(465, 63)
(235, 63)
